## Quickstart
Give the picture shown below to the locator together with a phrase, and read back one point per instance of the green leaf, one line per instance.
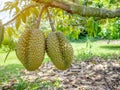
(10, 31)
(1, 32)
(17, 9)
(27, 13)
(23, 17)
(35, 11)
(18, 22)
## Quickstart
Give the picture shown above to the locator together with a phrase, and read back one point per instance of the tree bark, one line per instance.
(84, 11)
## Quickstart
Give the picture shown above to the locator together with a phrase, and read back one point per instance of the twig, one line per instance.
(50, 20)
(40, 15)
(29, 6)
(7, 55)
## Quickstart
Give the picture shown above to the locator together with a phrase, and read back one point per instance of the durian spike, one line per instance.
(50, 20)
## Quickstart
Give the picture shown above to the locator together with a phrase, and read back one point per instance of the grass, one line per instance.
(10, 68)
(82, 51)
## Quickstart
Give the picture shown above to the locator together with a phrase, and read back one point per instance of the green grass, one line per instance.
(10, 68)
(82, 51)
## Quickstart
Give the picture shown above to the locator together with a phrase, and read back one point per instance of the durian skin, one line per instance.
(59, 50)
(31, 48)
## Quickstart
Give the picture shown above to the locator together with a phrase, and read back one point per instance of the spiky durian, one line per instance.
(31, 48)
(59, 50)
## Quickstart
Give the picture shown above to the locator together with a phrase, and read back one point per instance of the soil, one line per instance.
(93, 74)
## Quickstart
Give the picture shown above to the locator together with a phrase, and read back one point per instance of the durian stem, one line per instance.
(40, 16)
(50, 20)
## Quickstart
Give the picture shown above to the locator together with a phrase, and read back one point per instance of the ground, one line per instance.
(97, 68)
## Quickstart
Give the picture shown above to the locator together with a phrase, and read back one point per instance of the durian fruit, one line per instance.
(59, 50)
(31, 49)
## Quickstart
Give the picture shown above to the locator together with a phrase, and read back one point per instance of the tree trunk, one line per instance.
(84, 11)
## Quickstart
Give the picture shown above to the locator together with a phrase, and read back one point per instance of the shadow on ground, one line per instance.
(112, 47)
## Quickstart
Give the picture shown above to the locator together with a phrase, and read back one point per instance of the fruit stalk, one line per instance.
(50, 20)
(40, 16)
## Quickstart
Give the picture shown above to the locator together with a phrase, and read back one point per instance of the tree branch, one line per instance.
(84, 11)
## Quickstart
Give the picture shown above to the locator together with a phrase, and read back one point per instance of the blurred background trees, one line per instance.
(73, 26)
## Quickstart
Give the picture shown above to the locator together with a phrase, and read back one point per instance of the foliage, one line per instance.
(1, 32)
(111, 29)
(73, 26)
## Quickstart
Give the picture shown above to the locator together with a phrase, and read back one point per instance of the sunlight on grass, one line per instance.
(12, 59)
(98, 48)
